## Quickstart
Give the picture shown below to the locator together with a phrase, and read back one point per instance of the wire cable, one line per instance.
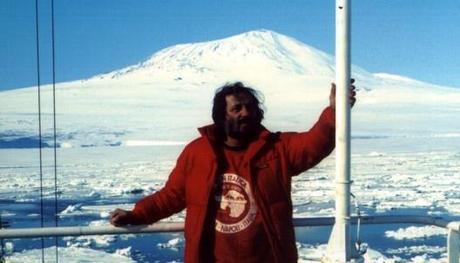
(2, 244)
(56, 217)
(360, 246)
(39, 125)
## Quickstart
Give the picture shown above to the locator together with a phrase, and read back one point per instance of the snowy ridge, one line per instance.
(254, 50)
(397, 79)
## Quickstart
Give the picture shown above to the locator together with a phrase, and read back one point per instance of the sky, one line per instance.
(413, 38)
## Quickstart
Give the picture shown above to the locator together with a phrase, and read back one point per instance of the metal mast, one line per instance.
(341, 246)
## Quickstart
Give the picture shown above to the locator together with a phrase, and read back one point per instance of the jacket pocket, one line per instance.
(268, 176)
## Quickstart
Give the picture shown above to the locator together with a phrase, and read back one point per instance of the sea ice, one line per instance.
(414, 232)
(68, 255)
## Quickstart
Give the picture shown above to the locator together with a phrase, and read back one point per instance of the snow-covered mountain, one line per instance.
(252, 54)
(164, 97)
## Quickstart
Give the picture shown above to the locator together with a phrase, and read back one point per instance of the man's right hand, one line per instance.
(120, 217)
(351, 94)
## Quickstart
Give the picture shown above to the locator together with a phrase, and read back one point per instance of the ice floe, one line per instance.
(70, 255)
(414, 232)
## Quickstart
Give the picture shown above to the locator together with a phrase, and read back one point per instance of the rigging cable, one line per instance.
(39, 125)
(2, 244)
(360, 246)
(56, 217)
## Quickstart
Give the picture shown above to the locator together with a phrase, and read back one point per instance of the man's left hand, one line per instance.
(351, 93)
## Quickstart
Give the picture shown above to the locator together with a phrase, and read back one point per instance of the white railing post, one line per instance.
(453, 242)
(341, 246)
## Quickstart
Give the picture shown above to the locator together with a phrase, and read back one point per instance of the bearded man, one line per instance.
(235, 182)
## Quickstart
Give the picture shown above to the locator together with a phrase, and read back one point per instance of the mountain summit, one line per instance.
(256, 53)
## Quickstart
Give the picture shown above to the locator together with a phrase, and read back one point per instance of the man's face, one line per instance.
(241, 116)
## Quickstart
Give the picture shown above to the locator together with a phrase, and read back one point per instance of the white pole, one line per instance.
(453, 242)
(341, 246)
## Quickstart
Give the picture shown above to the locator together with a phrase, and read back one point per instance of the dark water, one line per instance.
(29, 142)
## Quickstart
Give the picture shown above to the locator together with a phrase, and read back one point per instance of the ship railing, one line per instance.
(453, 228)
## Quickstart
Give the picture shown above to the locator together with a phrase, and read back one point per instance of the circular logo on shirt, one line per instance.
(236, 208)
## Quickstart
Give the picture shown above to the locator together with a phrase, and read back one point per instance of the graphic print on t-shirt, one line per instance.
(236, 208)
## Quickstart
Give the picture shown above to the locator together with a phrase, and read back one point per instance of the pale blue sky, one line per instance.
(414, 38)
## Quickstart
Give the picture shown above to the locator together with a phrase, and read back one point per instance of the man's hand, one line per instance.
(120, 217)
(351, 93)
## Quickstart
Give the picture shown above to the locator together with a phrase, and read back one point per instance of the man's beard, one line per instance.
(243, 129)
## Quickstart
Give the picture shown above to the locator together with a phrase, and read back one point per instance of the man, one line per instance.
(235, 182)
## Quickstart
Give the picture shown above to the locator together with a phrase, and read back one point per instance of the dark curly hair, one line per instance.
(237, 88)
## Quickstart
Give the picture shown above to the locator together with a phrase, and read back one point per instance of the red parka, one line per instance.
(271, 161)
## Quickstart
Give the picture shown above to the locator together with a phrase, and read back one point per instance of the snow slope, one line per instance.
(144, 102)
